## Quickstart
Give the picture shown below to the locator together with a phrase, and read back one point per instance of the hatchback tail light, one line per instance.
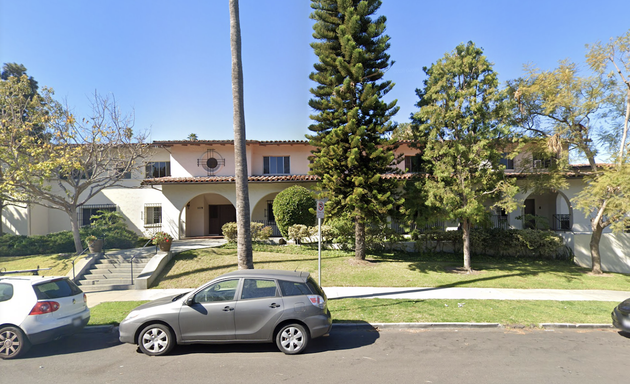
(43, 307)
(85, 298)
(317, 301)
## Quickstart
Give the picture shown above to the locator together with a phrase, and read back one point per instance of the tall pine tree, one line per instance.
(352, 123)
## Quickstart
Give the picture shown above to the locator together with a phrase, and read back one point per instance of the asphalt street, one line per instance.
(348, 355)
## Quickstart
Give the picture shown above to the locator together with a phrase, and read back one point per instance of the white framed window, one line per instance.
(276, 165)
(153, 215)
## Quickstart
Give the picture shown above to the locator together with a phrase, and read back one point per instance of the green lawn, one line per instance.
(193, 268)
(506, 312)
(59, 264)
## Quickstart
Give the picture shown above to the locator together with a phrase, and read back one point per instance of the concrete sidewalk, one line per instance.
(95, 298)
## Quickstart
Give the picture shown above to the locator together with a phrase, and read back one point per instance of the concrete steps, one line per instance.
(112, 273)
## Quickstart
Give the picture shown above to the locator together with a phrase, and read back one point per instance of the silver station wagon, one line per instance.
(246, 306)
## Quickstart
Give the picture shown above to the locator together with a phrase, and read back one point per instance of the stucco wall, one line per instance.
(614, 249)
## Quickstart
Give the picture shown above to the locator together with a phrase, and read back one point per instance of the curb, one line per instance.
(415, 325)
(99, 329)
(574, 326)
(377, 326)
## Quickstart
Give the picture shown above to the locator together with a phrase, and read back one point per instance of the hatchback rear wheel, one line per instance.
(292, 339)
(156, 340)
(13, 343)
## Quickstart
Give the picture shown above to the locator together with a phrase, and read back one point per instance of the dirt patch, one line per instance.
(362, 263)
(462, 271)
(589, 273)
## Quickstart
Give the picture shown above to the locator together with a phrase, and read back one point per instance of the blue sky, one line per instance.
(168, 62)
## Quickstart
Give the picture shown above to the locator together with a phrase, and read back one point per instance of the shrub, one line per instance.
(294, 205)
(299, 232)
(14, 245)
(230, 232)
(113, 228)
(513, 243)
(258, 231)
(378, 236)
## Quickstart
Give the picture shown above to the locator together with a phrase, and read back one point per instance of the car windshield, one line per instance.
(56, 289)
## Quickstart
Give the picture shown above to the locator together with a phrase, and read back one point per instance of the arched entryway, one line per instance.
(206, 214)
(263, 212)
(547, 210)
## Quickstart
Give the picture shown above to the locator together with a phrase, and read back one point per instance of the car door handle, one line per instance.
(228, 309)
(274, 305)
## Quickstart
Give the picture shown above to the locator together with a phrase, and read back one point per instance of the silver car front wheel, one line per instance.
(292, 339)
(156, 340)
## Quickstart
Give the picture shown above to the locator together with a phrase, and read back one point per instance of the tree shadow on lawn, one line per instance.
(451, 263)
(164, 275)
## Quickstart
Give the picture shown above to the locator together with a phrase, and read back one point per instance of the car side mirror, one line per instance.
(190, 301)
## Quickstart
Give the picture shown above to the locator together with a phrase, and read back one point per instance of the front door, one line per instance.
(219, 215)
(530, 213)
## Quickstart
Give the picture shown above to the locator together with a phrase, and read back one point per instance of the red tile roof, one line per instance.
(229, 142)
(229, 179)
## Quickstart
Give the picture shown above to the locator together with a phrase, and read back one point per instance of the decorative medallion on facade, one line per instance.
(211, 161)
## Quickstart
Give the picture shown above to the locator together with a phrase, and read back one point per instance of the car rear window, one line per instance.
(6, 292)
(314, 287)
(291, 288)
(56, 289)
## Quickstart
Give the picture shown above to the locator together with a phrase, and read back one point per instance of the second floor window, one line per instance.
(508, 163)
(413, 164)
(274, 165)
(158, 169)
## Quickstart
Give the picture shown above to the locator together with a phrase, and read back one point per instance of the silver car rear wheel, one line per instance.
(13, 343)
(156, 340)
(292, 339)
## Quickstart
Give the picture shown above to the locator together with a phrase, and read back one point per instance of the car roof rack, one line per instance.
(35, 271)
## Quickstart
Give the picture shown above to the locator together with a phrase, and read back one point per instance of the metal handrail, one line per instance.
(35, 271)
(133, 257)
(74, 276)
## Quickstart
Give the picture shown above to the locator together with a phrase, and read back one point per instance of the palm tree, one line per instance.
(244, 240)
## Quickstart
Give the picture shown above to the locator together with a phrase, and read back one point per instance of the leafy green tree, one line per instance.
(294, 205)
(352, 122)
(243, 219)
(17, 71)
(71, 161)
(564, 107)
(607, 195)
(463, 127)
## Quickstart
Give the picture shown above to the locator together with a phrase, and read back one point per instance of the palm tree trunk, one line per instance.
(244, 238)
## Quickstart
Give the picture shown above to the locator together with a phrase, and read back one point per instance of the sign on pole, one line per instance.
(320, 209)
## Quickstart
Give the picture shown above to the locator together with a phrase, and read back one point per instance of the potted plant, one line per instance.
(163, 240)
(95, 245)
